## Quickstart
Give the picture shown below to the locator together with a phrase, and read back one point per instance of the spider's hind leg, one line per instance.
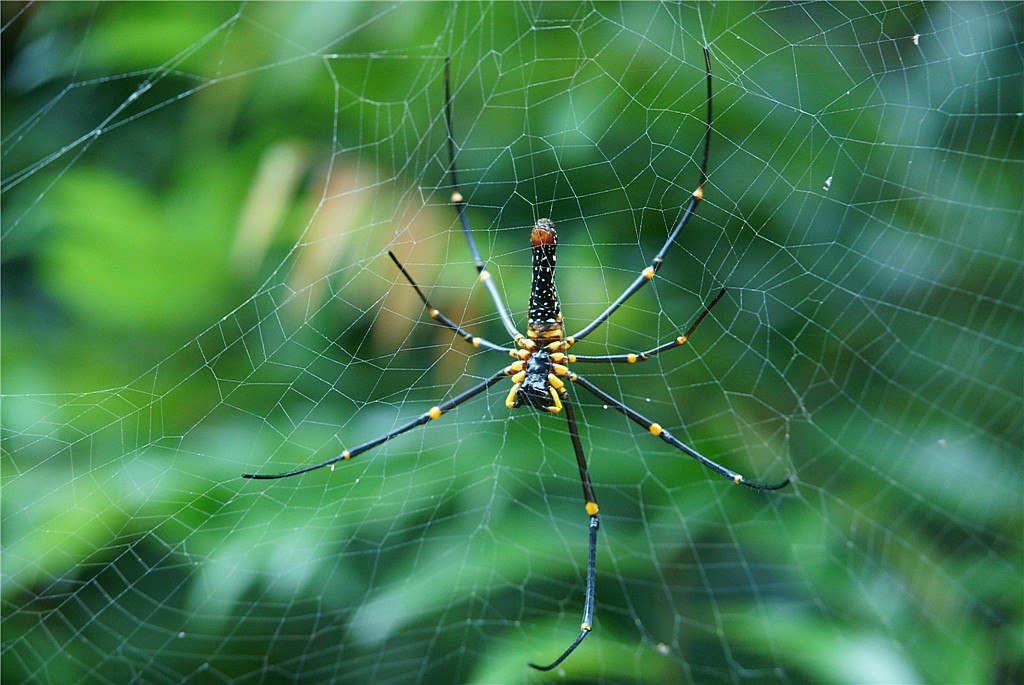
(587, 624)
(459, 203)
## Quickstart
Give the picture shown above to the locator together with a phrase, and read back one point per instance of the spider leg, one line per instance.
(657, 430)
(595, 522)
(435, 313)
(648, 273)
(458, 201)
(433, 413)
(634, 357)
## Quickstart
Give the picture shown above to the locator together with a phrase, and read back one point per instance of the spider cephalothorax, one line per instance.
(535, 382)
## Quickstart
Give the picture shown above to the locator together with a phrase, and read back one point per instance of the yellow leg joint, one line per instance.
(648, 273)
(558, 402)
(592, 508)
(434, 413)
(510, 401)
(737, 479)
(655, 429)
(699, 193)
(457, 197)
(346, 455)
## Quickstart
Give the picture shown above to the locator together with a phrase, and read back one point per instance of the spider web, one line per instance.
(197, 206)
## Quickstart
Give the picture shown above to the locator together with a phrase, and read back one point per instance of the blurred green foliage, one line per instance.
(197, 199)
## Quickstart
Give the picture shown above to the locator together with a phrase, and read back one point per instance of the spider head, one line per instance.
(535, 390)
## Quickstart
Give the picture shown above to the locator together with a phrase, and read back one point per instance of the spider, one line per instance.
(540, 372)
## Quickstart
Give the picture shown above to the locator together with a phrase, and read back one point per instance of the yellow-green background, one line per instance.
(197, 203)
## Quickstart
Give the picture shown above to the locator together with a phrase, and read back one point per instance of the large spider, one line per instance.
(541, 370)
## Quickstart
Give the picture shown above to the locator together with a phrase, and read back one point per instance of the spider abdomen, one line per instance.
(545, 314)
